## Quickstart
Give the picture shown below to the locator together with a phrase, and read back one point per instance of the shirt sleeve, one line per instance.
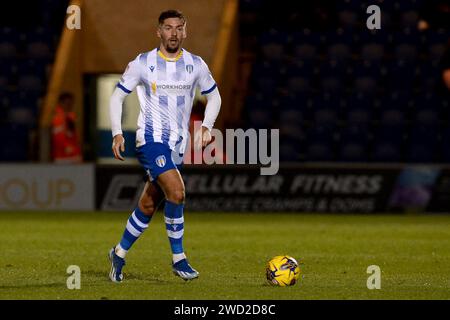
(131, 77)
(206, 82)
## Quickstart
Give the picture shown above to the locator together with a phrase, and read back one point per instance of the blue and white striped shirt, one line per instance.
(166, 89)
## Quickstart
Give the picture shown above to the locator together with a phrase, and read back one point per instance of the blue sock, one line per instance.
(173, 216)
(136, 224)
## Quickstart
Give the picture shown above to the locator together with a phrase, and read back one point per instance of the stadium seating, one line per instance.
(27, 48)
(383, 85)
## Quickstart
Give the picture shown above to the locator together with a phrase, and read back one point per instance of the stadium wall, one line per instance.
(296, 188)
(330, 188)
(114, 31)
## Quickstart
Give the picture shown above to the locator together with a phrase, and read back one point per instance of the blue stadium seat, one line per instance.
(380, 37)
(260, 119)
(392, 118)
(31, 66)
(410, 36)
(436, 36)
(355, 134)
(306, 52)
(272, 45)
(429, 75)
(319, 152)
(8, 34)
(423, 135)
(325, 117)
(320, 134)
(266, 68)
(401, 75)
(39, 50)
(291, 116)
(17, 151)
(365, 68)
(22, 115)
(427, 118)
(273, 51)
(372, 52)
(406, 52)
(348, 19)
(436, 52)
(250, 5)
(358, 117)
(429, 101)
(395, 100)
(333, 68)
(41, 34)
(366, 85)
(409, 19)
(4, 81)
(353, 152)
(265, 83)
(386, 152)
(423, 143)
(389, 134)
(353, 5)
(339, 52)
(332, 84)
(421, 153)
(405, 6)
(8, 50)
(292, 132)
(300, 68)
(298, 85)
(306, 36)
(445, 149)
(289, 151)
(30, 83)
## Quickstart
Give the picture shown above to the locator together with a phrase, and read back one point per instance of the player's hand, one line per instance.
(202, 138)
(118, 145)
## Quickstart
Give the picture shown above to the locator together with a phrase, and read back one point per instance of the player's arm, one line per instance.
(130, 79)
(214, 102)
(115, 112)
(209, 89)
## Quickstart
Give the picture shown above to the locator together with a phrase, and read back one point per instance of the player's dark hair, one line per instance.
(171, 14)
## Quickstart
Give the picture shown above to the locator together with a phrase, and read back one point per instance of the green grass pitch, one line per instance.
(230, 252)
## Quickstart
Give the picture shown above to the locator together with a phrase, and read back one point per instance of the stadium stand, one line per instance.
(27, 44)
(343, 92)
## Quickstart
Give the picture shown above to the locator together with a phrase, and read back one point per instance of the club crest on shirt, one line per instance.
(189, 68)
(161, 161)
(154, 87)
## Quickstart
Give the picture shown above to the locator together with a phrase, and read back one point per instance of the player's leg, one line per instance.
(139, 220)
(173, 186)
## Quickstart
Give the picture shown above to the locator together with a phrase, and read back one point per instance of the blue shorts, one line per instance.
(157, 158)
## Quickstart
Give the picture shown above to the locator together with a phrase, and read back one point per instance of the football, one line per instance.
(282, 271)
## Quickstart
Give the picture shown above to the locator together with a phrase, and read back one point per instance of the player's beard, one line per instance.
(174, 49)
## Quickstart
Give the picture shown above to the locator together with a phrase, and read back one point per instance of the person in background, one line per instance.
(65, 145)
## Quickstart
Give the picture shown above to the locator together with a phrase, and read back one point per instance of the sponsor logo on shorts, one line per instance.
(161, 161)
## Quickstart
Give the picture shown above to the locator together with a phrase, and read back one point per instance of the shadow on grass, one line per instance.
(103, 276)
(35, 285)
